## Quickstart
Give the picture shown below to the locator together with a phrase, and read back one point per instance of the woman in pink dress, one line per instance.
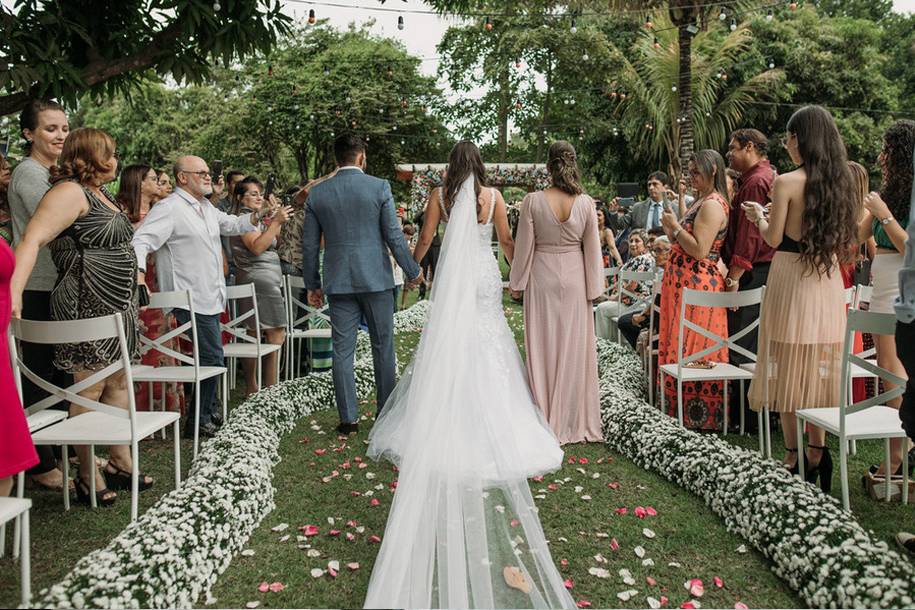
(17, 452)
(558, 265)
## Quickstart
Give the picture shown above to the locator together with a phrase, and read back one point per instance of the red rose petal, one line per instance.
(568, 583)
(582, 460)
(564, 562)
(374, 502)
(614, 545)
(651, 511)
(333, 533)
(640, 512)
(718, 582)
(622, 510)
(264, 587)
(320, 451)
(583, 603)
(374, 538)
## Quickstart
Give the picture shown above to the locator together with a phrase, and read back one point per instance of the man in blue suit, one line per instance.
(355, 214)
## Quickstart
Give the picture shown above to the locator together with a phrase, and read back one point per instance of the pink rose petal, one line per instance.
(568, 583)
(651, 581)
(351, 537)
(333, 533)
(741, 606)
(374, 538)
(363, 465)
(622, 510)
(332, 572)
(718, 582)
(353, 566)
(640, 512)
(583, 603)
(552, 486)
(695, 587)
(351, 523)
(564, 562)
(614, 545)
(264, 587)
(309, 530)
(663, 600)
(320, 451)
(374, 502)
(277, 586)
(613, 485)
(514, 523)
(538, 478)
(651, 511)
(355, 494)
(582, 460)
(688, 605)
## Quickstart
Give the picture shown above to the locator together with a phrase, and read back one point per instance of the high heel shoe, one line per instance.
(823, 470)
(794, 469)
(83, 494)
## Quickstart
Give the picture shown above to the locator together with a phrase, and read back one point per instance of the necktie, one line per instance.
(655, 215)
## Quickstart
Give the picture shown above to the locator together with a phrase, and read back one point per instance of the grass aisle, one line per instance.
(578, 508)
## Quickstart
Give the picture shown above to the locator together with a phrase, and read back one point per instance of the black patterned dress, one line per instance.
(96, 276)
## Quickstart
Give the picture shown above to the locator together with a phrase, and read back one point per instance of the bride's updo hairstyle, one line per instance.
(464, 160)
(563, 167)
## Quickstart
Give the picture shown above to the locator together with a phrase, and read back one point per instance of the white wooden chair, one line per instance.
(18, 509)
(302, 322)
(243, 344)
(609, 274)
(866, 419)
(654, 336)
(104, 424)
(637, 300)
(187, 368)
(723, 371)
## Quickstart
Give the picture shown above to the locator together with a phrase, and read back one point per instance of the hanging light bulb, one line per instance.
(574, 28)
(400, 22)
(648, 23)
(311, 17)
(657, 44)
(585, 56)
(394, 127)
(217, 7)
(390, 73)
(488, 24)
(673, 88)
(622, 96)
(723, 14)
(771, 64)
(518, 105)
(435, 130)
(402, 142)
(518, 63)
(269, 69)
(770, 15)
(792, 6)
(733, 25)
(581, 134)
(368, 138)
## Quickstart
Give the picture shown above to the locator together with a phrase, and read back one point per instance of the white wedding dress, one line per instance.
(463, 530)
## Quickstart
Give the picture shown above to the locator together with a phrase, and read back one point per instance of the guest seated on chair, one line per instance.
(631, 324)
(639, 261)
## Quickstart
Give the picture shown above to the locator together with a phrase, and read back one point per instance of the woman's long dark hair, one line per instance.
(831, 206)
(464, 160)
(130, 189)
(896, 188)
(711, 165)
(562, 163)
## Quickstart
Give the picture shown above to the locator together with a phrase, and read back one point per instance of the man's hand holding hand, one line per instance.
(316, 298)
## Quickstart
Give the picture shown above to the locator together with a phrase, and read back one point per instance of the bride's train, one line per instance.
(463, 531)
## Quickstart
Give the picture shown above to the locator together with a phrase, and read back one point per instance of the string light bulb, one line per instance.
(770, 15)
(518, 63)
(326, 71)
(733, 24)
(311, 17)
(673, 88)
(771, 64)
(648, 23)
(723, 14)
(792, 6)
(574, 27)
(390, 73)
(657, 44)
(488, 24)
(269, 69)
(217, 7)
(585, 57)
(400, 22)
(581, 134)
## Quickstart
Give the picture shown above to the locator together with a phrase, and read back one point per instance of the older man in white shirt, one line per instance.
(184, 231)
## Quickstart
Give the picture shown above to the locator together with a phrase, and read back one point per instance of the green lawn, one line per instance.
(690, 541)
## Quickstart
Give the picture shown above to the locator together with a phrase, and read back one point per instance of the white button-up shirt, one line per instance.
(184, 233)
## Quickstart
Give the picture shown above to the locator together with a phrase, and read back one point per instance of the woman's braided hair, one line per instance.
(562, 164)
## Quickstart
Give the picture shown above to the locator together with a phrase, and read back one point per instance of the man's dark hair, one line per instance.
(752, 136)
(231, 174)
(660, 177)
(346, 148)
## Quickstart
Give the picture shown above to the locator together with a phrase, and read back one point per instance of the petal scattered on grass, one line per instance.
(568, 584)
(614, 545)
(648, 533)
(622, 510)
(374, 538)
(264, 587)
(252, 605)
(718, 582)
(317, 572)
(352, 566)
(276, 587)
(695, 587)
(280, 527)
(640, 512)
(741, 606)
(583, 603)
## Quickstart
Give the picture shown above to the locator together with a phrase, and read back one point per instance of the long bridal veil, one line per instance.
(463, 530)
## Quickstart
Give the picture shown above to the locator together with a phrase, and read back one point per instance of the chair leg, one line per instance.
(762, 433)
(134, 480)
(66, 477)
(843, 471)
(725, 406)
(800, 447)
(2, 539)
(852, 447)
(225, 397)
(17, 527)
(886, 471)
(661, 390)
(905, 475)
(743, 426)
(92, 487)
(176, 427)
(196, 416)
(680, 402)
(25, 562)
(768, 424)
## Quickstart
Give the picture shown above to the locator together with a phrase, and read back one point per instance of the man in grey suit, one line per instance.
(356, 216)
(644, 214)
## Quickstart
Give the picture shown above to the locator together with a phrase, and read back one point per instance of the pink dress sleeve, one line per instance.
(594, 262)
(524, 247)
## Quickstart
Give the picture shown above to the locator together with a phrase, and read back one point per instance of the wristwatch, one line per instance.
(730, 282)
(887, 220)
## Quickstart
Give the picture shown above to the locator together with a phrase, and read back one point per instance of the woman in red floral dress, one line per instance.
(693, 264)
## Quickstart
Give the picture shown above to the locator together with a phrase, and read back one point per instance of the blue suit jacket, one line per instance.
(355, 213)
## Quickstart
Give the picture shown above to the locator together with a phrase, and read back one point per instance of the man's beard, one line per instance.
(208, 193)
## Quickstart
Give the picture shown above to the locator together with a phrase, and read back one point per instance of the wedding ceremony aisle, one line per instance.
(622, 536)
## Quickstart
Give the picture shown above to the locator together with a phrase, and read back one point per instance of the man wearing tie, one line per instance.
(644, 214)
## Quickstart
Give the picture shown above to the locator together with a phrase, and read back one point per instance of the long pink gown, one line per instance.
(559, 267)
(17, 453)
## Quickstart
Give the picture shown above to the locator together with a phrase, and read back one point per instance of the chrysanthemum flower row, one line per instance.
(173, 554)
(818, 548)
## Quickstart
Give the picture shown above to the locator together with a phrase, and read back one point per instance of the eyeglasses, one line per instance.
(201, 174)
(786, 138)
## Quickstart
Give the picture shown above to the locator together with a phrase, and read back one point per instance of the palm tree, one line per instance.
(666, 115)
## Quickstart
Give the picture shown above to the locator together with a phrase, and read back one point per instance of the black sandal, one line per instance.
(794, 469)
(120, 479)
(83, 490)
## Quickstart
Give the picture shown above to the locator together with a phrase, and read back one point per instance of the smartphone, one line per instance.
(271, 185)
(626, 202)
(216, 170)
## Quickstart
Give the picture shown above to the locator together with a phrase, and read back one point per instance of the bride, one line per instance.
(461, 426)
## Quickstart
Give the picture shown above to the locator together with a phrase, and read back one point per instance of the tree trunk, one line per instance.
(504, 103)
(301, 160)
(683, 19)
(545, 114)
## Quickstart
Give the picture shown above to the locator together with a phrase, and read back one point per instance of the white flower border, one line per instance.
(818, 548)
(174, 552)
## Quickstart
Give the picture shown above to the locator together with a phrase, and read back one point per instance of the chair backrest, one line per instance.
(654, 336)
(298, 313)
(165, 343)
(877, 324)
(625, 277)
(75, 331)
(610, 274)
(851, 295)
(701, 298)
(235, 326)
(863, 294)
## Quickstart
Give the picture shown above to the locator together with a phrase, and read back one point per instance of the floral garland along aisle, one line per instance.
(173, 554)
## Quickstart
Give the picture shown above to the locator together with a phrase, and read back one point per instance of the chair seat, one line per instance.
(722, 370)
(96, 428)
(248, 350)
(178, 374)
(10, 508)
(45, 418)
(874, 422)
(311, 333)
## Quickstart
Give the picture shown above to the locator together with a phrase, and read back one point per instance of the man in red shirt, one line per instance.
(745, 253)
